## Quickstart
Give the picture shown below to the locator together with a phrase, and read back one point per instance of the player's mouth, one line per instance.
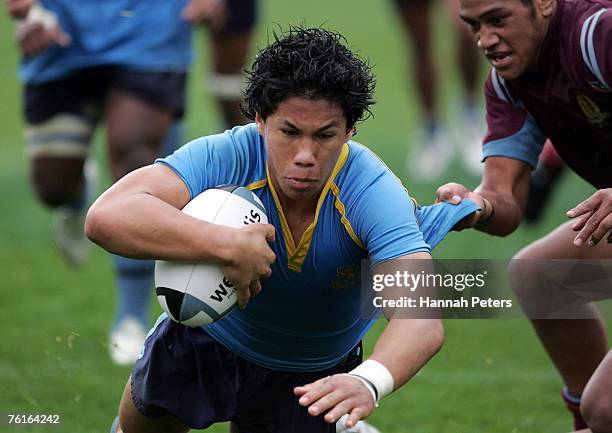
(500, 59)
(301, 183)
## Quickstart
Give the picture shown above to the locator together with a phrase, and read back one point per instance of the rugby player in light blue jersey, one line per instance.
(290, 359)
(121, 62)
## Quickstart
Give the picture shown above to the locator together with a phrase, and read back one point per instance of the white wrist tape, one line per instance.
(377, 375)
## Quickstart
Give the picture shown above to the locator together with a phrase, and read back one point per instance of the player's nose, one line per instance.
(487, 38)
(305, 155)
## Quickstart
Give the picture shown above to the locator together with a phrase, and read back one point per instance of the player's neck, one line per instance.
(299, 213)
(298, 222)
(301, 206)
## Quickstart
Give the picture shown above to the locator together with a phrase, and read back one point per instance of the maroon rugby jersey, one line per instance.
(567, 99)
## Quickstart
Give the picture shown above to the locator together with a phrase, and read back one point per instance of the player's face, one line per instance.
(304, 138)
(509, 32)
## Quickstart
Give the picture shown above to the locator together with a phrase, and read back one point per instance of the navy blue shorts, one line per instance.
(84, 92)
(188, 374)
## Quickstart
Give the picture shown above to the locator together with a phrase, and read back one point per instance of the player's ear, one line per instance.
(260, 123)
(546, 7)
(350, 133)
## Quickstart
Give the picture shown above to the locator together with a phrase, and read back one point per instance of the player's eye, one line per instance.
(290, 132)
(497, 21)
(474, 26)
(324, 136)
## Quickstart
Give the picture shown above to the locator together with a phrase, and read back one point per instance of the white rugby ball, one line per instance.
(196, 294)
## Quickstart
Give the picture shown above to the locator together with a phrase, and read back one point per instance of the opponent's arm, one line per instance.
(505, 185)
(401, 351)
(503, 193)
(139, 217)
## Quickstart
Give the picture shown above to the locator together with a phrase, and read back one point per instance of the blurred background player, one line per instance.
(432, 146)
(124, 63)
(230, 25)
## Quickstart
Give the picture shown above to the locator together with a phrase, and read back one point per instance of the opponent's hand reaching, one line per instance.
(454, 193)
(593, 218)
(250, 259)
(335, 396)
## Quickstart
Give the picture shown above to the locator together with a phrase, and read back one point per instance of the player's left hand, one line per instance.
(335, 396)
(209, 12)
(593, 218)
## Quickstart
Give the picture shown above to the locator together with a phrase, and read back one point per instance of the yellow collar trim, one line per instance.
(256, 185)
(343, 219)
(297, 254)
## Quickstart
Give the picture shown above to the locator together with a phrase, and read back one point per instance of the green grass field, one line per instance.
(491, 376)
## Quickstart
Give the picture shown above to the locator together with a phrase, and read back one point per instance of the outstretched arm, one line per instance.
(401, 351)
(503, 193)
(505, 184)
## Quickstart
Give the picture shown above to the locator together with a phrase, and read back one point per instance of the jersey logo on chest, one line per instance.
(592, 111)
(346, 277)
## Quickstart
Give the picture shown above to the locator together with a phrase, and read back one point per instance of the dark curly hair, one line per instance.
(312, 63)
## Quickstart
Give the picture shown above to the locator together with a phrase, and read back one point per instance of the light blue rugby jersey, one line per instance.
(309, 314)
(141, 34)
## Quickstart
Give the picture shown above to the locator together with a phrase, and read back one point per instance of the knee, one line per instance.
(596, 409)
(56, 187)
(530, 281)
(57, 149)
(522, 274)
